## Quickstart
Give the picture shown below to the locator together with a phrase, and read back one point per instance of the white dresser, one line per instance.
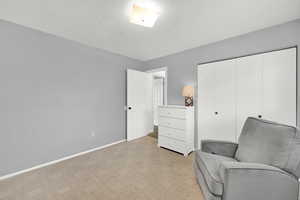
(176, 128)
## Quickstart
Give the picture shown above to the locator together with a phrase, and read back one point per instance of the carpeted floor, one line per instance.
(154, 134)
(136, 170)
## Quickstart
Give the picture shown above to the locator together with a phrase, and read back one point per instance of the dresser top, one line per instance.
(176, 106)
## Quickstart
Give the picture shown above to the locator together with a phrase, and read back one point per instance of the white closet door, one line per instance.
(225, 101)
(248, 89)
(216, 101)
(279, 86)
(206, 101)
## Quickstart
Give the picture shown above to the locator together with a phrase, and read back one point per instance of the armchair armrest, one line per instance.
(219, 147)
(250, 181)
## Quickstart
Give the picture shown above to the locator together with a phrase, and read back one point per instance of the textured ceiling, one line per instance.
(183, 24)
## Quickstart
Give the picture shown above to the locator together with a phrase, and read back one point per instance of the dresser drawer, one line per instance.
(172, 112)
(172, 133)
(172, 123)
(172, 144)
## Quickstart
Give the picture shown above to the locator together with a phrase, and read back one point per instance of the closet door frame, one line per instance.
(235, 57)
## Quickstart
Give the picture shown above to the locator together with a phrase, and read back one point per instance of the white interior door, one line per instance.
(279, 86)
(139, 104)
(260, 86)
(216, 101)
(248, 89)
(225, 101)
(206, 102)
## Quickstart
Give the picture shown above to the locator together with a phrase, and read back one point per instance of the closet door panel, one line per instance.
(206, 101)
(248, 89)
(225, 100)
(279, 86)
(206, 86)
(216, 101)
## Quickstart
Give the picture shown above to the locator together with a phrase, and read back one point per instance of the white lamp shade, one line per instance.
(188, 91)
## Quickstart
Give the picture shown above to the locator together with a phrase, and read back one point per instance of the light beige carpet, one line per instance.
(136, 170)
(154, 134)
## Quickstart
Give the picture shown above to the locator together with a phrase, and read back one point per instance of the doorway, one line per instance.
(159, 97)
(145, 92)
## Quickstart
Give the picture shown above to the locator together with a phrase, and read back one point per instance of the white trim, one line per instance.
(137, 138)
(59, 160)
(157, 69)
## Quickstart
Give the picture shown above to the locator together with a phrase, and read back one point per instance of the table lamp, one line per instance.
(188, 93)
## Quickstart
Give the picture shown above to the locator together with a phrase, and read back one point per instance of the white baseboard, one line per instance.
(59, 160)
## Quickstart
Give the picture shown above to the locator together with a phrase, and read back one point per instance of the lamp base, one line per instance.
(188, 101)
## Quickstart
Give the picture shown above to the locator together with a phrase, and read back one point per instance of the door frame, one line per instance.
(165, 81)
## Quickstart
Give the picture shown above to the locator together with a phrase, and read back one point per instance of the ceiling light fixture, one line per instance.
(142, 15)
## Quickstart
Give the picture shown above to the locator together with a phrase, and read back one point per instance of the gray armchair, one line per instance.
(265, 165)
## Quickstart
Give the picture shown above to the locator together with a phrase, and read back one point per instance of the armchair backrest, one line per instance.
(270, 143)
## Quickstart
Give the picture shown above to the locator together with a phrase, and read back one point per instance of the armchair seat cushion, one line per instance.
(209, 166)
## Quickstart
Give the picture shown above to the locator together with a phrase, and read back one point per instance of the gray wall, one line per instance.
(53, 94)
(182, 66)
